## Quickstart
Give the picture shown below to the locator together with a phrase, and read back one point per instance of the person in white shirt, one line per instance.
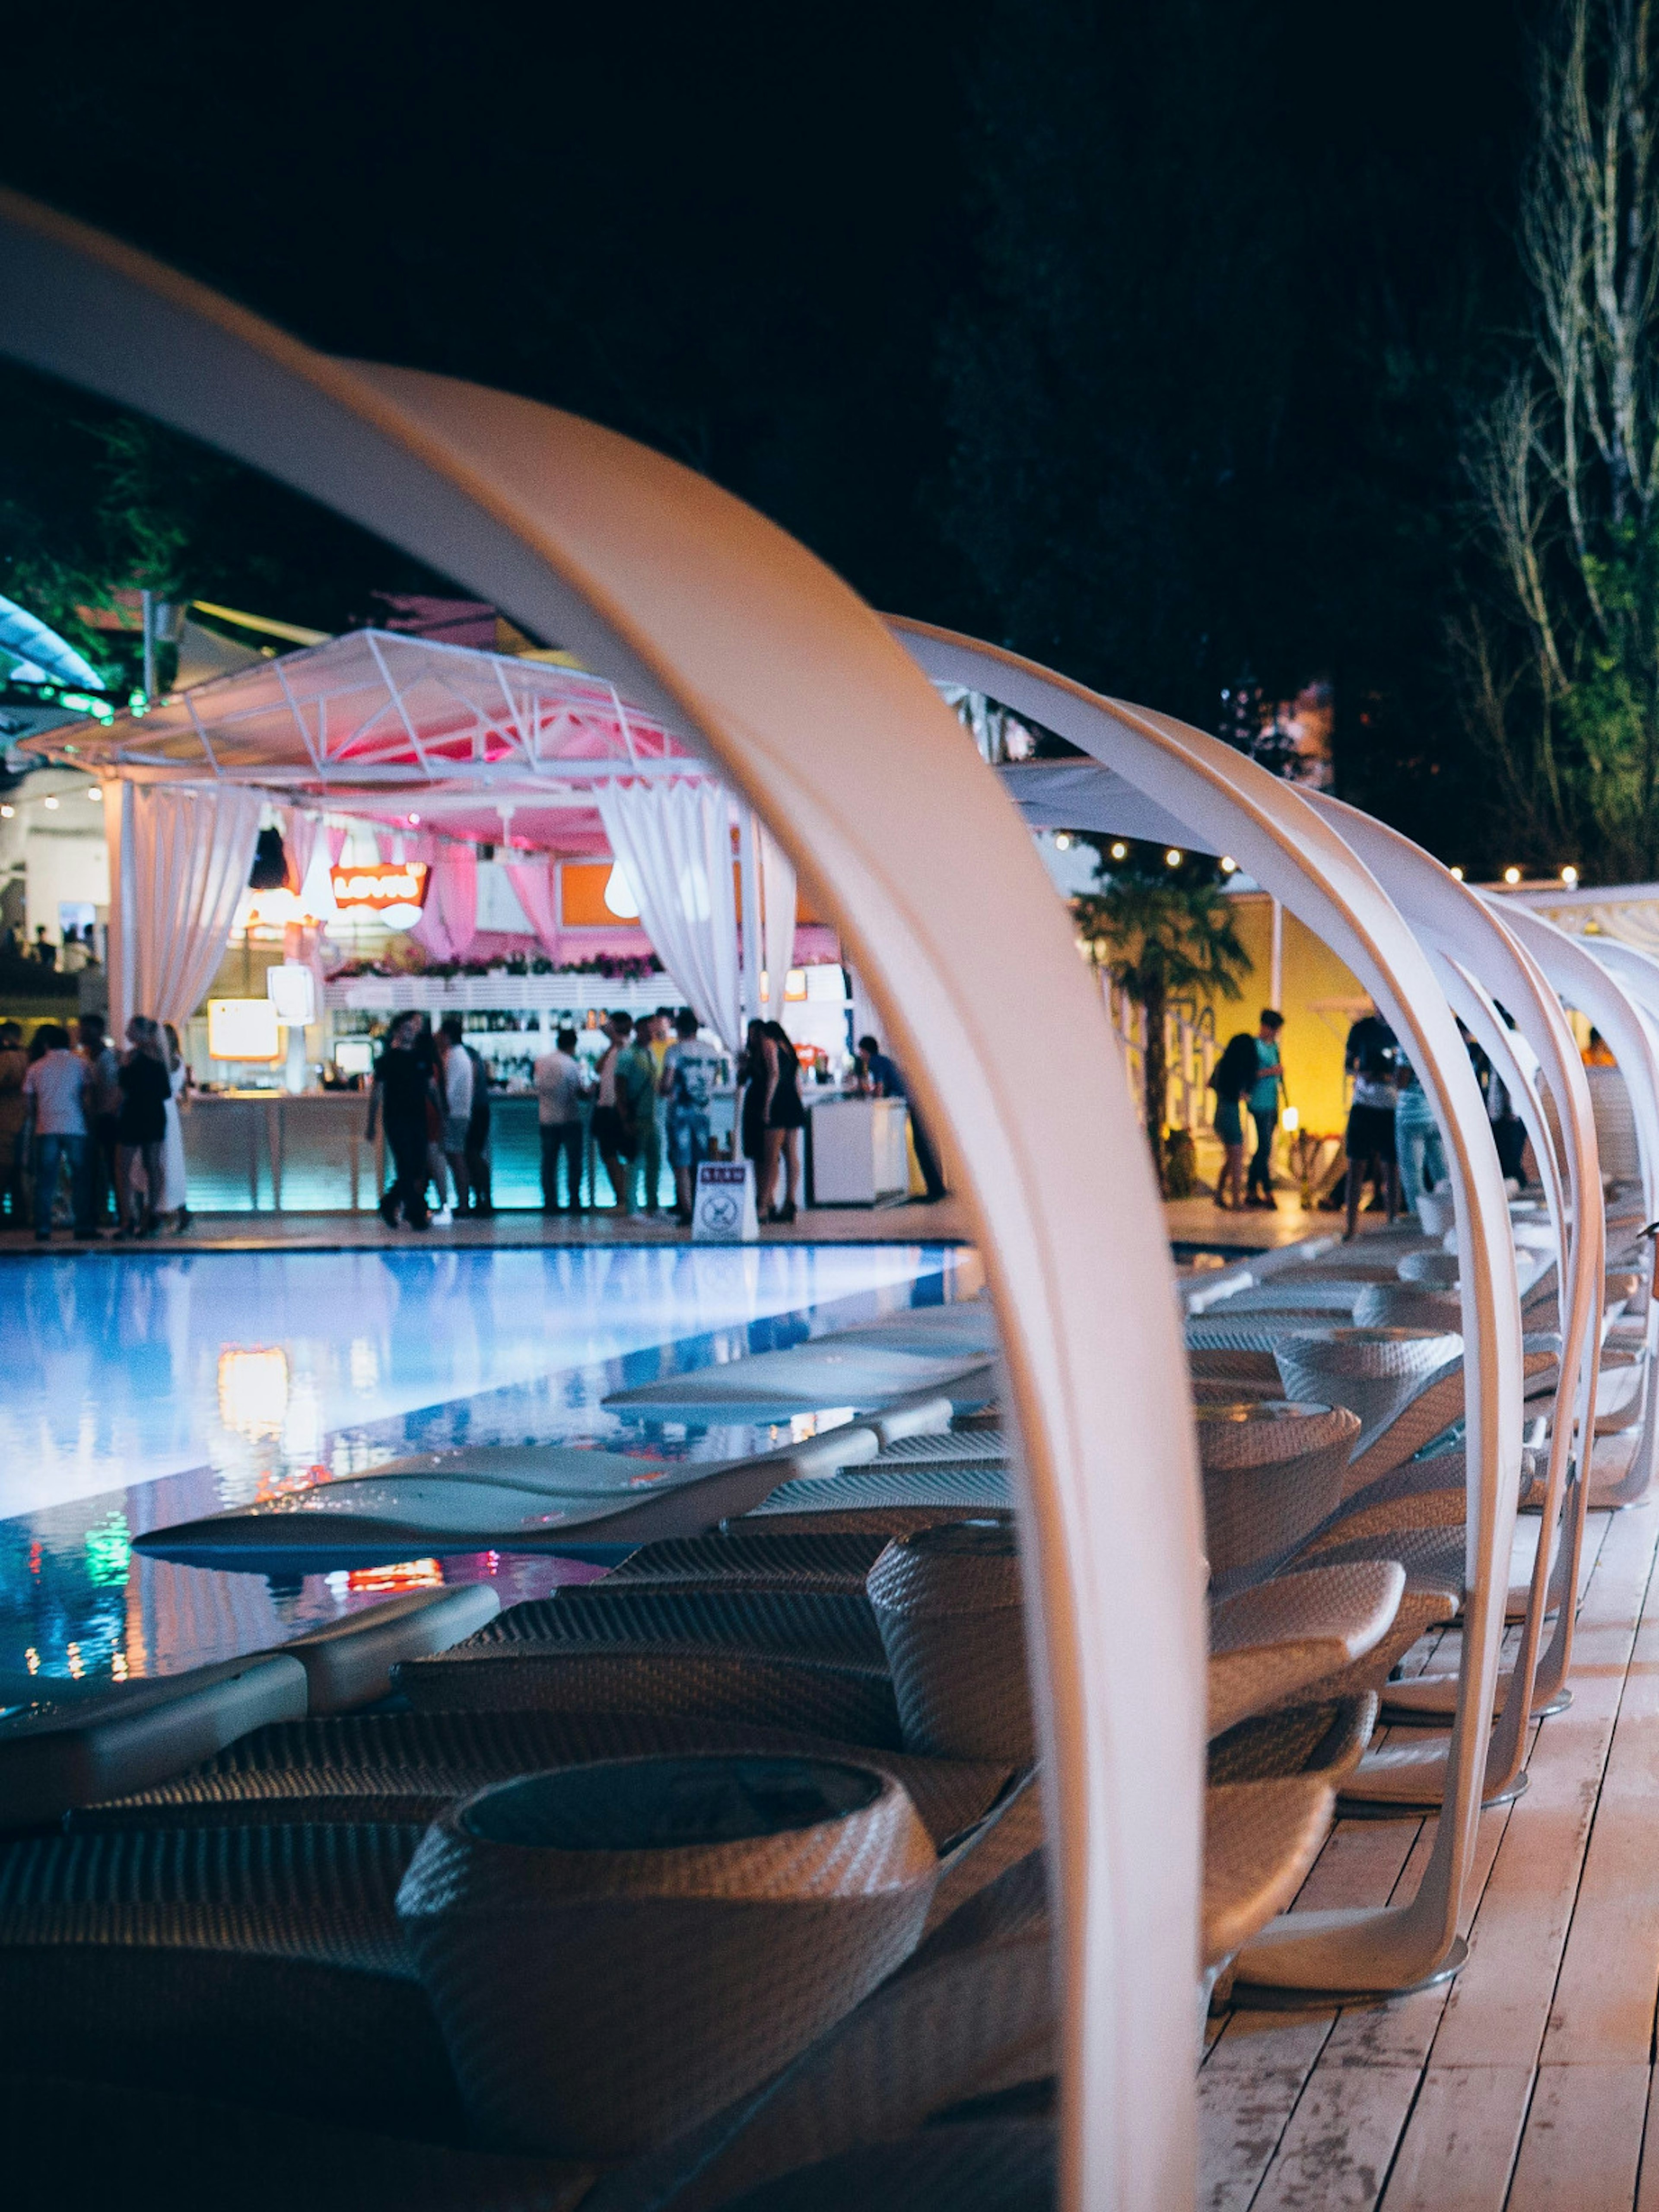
(560, 1083)
(690, 1067)
(457, 1093)
(56, 1091)
(455, 1080)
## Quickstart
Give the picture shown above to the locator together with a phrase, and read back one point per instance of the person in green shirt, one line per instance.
(1264, 1107)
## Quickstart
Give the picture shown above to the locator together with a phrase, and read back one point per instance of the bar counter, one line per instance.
(266, 1152)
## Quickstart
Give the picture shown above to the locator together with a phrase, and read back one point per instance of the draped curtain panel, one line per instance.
(535, 886)
(299, 832)
(673, 842)
(777, 876)
(449, 920)
(192, 853)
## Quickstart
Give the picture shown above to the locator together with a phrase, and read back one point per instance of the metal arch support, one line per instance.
(704, 610)
(1292, 849)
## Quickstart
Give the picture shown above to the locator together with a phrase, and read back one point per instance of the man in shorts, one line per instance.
(690, 1067)
(1372, 1058)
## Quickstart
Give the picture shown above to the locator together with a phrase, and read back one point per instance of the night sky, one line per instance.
(1134, 336)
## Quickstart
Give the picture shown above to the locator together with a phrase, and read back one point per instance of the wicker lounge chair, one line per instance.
(565, 1499)
(64, 1744)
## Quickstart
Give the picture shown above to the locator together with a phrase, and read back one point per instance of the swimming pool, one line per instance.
(146, 1388)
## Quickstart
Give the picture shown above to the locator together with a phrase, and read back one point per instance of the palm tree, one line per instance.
(1161, 932)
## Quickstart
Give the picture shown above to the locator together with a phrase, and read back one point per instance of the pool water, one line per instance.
(145, 1389)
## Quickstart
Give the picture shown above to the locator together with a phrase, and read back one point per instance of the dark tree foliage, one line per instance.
(1116, 388)
(1238, 261)
(1135, 335)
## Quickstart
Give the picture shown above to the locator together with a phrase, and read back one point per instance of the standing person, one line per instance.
(1509, 1131)
(105, 1063)
(1265, 1095)
(1418, 1154)
(613, 1132)
(478, 1164)
(690, 1068)
(455, 1093)
(637, 1101)
(560, 1086)
(175, 1194)
(1232, 1079)
(644, 1082)
(403, 1095)
(883, 1077)
(13, 1067)
(757, 1071)
(786, 1117)
(142, 1131)
(55, 1099)
(45, 952)
(1369, 1057)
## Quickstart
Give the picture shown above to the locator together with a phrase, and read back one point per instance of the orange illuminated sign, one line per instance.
(389, 883)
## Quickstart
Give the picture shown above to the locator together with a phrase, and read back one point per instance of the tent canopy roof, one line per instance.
(378, 725)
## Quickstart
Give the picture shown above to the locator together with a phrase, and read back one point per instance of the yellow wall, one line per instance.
(1318, 1000)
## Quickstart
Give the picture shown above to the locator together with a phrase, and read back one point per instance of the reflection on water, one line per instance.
(143, 1390)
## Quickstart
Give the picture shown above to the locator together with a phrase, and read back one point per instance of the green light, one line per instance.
(109, 1552)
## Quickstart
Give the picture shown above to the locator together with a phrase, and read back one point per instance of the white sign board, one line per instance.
(723, 1203)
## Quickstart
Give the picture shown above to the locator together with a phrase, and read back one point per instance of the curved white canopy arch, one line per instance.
(1480, 961)
(1610, 993)
(1233, 805)
(696, 605)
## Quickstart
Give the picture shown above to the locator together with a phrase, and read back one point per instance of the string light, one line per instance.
(1511, 875)
(1457, 875)
(1570, 876)
(51, 807)
(414, 821)
(1229, 866)
(1172, 858)
(1063, 841)
(1120, 850)
(6, 813)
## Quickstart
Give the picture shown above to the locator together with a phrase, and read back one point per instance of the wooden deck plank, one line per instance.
(1582, 2143)
(1436, 2099)
(1459, 2147)
(1605, 1995)
(1246, 2095)
(1334, 2154)
(1402, 2032)
(1646, 2187)
(1499, 2004)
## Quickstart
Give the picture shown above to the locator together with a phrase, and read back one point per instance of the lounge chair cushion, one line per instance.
(63, 1744)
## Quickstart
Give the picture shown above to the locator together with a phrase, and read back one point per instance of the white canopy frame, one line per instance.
(715, 619)
(1583, 979)
(1480, 960)
(372, 713)
(1233, 805)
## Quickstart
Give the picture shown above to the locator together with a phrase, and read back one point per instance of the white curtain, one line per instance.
(533, 884)
(300, 833)
(673, 842)
(449, 920)
(777, 877)
(187, 853)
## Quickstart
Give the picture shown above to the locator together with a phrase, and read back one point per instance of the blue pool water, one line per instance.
(148, 1389)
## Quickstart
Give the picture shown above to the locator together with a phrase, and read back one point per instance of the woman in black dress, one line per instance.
(756, 1072)
(141, 1126)
(786, 1117)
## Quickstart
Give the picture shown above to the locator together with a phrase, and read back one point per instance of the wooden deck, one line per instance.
(1528, 2081)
